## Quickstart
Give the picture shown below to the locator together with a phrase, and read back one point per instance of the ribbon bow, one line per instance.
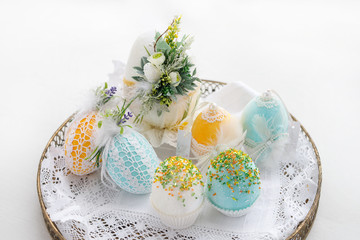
(258, 149)
(204, 160)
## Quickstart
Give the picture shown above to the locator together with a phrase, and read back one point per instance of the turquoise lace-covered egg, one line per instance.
(263, 117)
(266, 120)
(233, 182)
(131, 162)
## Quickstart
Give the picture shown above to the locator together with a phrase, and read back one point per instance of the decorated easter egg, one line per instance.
(177, 192)
(266, 120)
(180, 105)
(131, 162)
(80, 144)
(209, 126)
(136, 53)
(233, 183)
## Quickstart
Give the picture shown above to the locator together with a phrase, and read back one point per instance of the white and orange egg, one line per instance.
(80, 144)
(213, 126)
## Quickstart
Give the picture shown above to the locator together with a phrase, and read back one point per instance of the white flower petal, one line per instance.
(175, 78)
(157, 58)
(151, 72)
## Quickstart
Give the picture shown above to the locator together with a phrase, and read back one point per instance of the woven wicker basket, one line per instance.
(207, 87)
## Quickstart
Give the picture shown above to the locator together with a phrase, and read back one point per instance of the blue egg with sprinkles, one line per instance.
(131, 162)
(233, 183)
(266, 120)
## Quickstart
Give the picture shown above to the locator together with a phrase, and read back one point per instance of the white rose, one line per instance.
(175, 78)
(151, 72)
(157, 58)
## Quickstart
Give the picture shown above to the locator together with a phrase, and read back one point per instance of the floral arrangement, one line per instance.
(104, 95)
(168, 70)
(118, 116)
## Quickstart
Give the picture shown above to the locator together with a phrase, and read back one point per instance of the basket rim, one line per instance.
(51, 226)
(48, 221)
(315, 205)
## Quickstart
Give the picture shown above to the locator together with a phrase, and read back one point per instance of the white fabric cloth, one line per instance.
(95, 211)
(233, 97)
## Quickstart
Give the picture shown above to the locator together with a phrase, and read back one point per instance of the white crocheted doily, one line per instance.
(83, 208)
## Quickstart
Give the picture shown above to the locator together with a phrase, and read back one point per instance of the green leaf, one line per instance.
(106, 85)
(138, 78)
(147, 51)
(162, 46)
(143, 61)
(98, 159)
(90, 157)
(99, 124)
(138, 69)
(194, 72)
(174, 89)
(140, 72)
(121, 130)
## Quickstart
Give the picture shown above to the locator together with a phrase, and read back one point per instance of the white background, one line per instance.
(51, 52)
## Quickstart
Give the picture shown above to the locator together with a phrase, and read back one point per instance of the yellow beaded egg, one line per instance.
(208, 127)
(79, 144)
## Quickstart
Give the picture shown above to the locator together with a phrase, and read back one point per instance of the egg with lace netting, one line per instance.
(131, 162)
(213, 126)
(80, 144)
(266, 121)
(177, 192)
(232, 183)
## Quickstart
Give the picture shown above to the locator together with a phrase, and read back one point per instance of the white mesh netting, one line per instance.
(130, 162)
(83, 208)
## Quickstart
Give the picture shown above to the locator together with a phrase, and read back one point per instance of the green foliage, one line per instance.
(162, 46)
(164, 91)
(119, 116)
(96, 154)
(104, 95)
(140, 70)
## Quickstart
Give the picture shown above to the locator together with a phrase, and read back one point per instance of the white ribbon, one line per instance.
(107, 132)
(257, 149)
(183, 141)
(192, 116)
(104, 175)
(203, 161)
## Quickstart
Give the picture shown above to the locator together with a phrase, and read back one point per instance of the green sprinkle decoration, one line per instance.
(180, 174)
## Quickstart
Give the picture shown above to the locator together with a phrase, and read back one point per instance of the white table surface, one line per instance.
(51, 52)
